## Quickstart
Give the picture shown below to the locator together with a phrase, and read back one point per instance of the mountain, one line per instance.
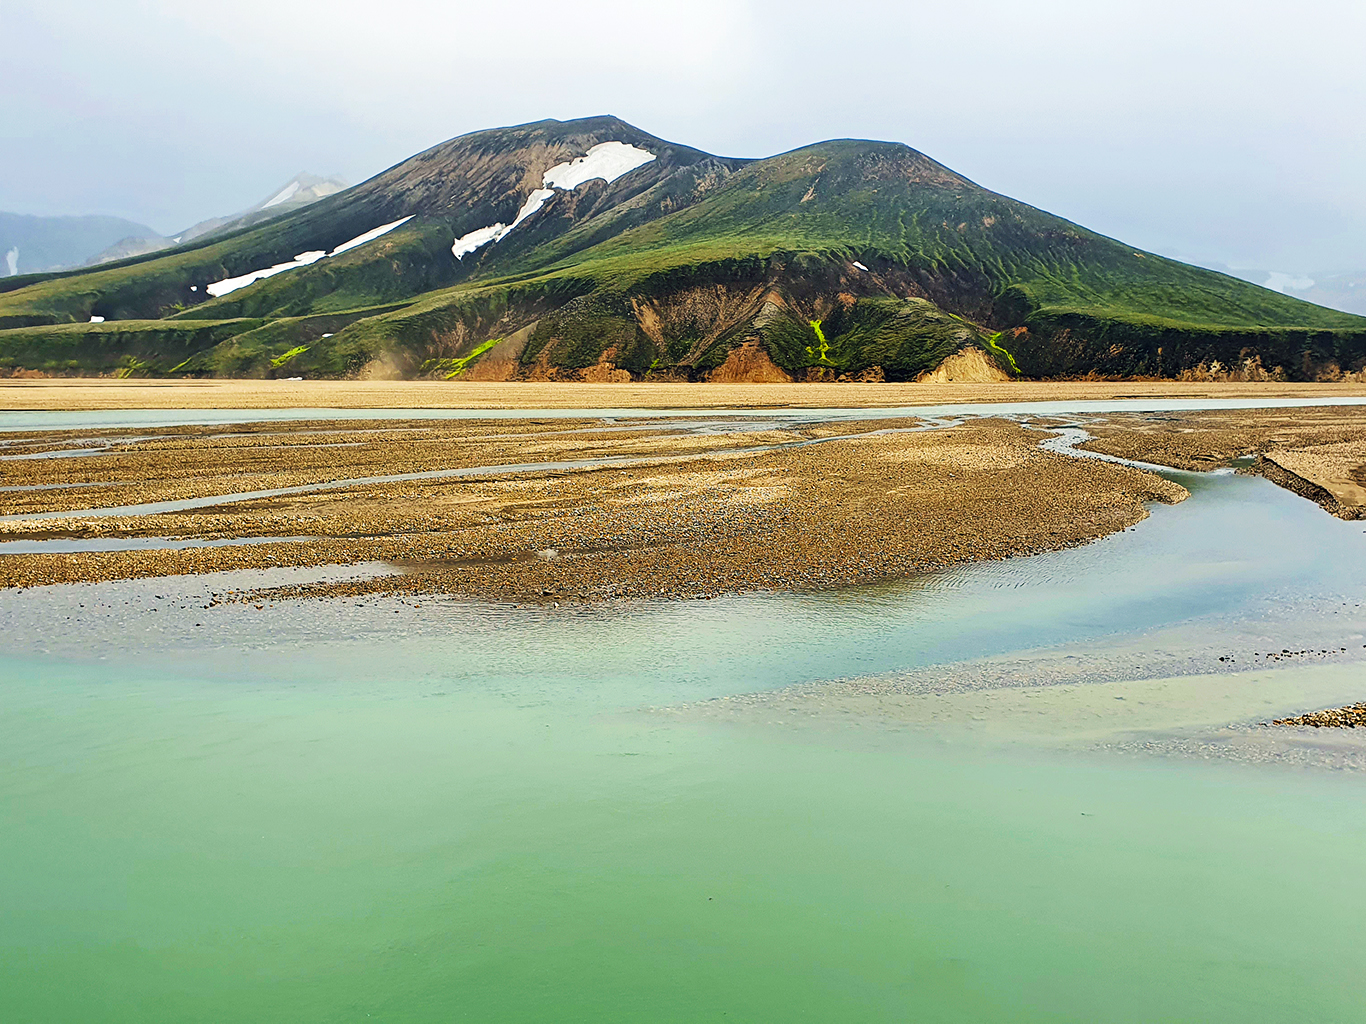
(34, 244)
(298, 192)
(589, 249)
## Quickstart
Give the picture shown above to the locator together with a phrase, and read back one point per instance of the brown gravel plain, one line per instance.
(680, 508)
(671, 508)
(630, 508)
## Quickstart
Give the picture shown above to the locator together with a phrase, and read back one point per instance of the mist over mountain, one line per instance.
(298, 192)
(31, 245)
(1337, 290)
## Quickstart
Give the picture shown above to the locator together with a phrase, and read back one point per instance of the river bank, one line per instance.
(1319, 454)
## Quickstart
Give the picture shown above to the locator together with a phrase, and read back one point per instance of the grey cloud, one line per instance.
(1207, 129)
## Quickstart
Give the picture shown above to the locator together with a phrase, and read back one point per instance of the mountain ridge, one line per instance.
(847, 258)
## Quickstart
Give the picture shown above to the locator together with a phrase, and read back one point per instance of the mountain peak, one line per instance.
(589, 249)
(300, 190)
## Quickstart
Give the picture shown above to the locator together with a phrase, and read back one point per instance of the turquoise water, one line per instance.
(367, 810)
(194, 851)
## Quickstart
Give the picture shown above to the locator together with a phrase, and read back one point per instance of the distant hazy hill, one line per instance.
(1337, 291)
(1343, 290)
(591, 250)
(30, 245)
(300, 191)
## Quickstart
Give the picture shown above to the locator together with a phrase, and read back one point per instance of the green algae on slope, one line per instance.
(455, 367)
(821, 351)
(285, 357)
(994, 343)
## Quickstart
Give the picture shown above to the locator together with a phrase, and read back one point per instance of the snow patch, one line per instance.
(97, 319)
(859, 265)
(466, 244)
(607, 160)
(370, 235)
(533, 204)
(12, 261)
(231, 284)
(304, 259)
(285, 193)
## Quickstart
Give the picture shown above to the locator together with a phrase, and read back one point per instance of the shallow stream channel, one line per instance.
(1033, 790)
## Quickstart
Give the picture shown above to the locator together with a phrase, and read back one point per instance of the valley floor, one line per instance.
(587, 509)
(574, 509)
(107, 393)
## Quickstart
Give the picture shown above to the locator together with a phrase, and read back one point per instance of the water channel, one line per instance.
(1055, 805)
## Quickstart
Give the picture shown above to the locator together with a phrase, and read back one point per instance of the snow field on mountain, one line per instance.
(468, 243)
(370, 235)
(607, 160)
(231, 284)
(304, 259)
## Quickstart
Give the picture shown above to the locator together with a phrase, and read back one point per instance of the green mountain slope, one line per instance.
(843, 259)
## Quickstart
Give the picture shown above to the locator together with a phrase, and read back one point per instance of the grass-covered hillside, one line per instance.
(844, 259)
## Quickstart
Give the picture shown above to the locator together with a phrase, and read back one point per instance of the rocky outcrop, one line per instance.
(749, 364)
(1348, 717)
(966, 366)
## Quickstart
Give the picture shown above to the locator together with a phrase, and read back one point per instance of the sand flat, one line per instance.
(576, 510)
(108, 394)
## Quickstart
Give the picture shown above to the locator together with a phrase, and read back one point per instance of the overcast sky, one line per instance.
(1203, 129)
